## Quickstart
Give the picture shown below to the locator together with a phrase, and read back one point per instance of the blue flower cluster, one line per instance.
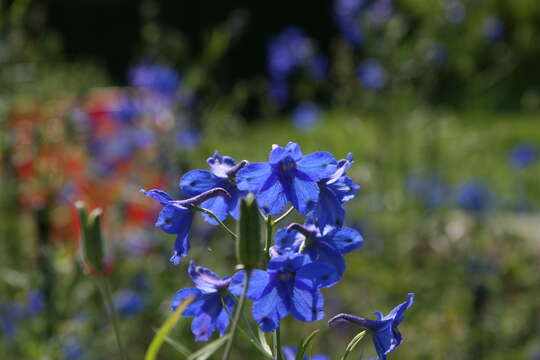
(303, 259)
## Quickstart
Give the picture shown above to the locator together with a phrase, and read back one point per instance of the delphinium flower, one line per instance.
(188, 139)
(306, 116)
(318, 67)
(290, 285)
(428, 189)
(177, 215)
(289, 353)
(210, 294)
(384, 330)
(154, 78)
(222, 174)
(380, 11)
(493, 29)
(474, 196)
(346, 18)
(334, 191)
(523, 155)
(327, 248)
(128, 302)
(371, 75)
(288, 176)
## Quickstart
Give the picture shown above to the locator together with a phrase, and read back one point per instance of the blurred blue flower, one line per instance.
(158, 79)
(35, 304)
(176, 217)
(210, 294)
(346, 19)
(493, 29)
(306, 116)
(523, 155)
(372, 75)
(286, 51)
(288, 286)
(318, 67)
(474, 196)
(455, 11)
(288, 176)
(222, 174)
(72, 348)
(380, 11)
(384, 331)
(188, 139)
(128, 302)
(430, 190)
(289, 353)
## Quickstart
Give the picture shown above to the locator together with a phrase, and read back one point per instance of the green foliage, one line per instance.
(352, 344)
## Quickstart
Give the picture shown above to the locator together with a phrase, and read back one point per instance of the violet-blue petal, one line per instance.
(253, 176)
(287, 241)
(219, 205)
(304, 194)
(279, 153)
(322, 252)
(271, 308)
(219, 165)
(158, 195)
(345, 188)
(173, 219)
(196, 182)
(316, 272)
(329, 211)
(258, 282)
(181, 246)
(287, 262)
(271, 197)
(345, 239)
(205, 279)
(194, 307)
(307, 302)
(204, 323)
(223, 319)
(318, 165)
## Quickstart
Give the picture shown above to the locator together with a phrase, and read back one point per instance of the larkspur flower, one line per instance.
(474, 196)
(372, 75)
(380, 11)
(289, 353)
(288, 176)
(287, 51)
(335, 190)
(128, 302)
(288, 286)
(210, 294)
(430, 190)
(306, 116)
(158, 79)
(177, 215)
(327, 248)
(222, 174)
(345, 17)
(523, 155)
(384, 331)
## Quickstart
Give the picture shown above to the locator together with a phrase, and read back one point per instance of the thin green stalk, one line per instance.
(268, 237)
(277, 345)
(106, 292)
(237, 316)
(208, 212)
(283, 216)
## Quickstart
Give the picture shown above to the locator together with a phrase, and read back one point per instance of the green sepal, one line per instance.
(248, 244)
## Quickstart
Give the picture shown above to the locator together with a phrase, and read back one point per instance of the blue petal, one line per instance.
(271, 198)
(204, 324)
(329, 212)
(219, 205)
(196, 182)
(270, 309)
(304, 194)
(288, 262)
(287, 241)
(318, 165)
(205, 279)
(258, 283)
(344, 188)
(384, 341)
(158, 195)
(279, 153)
(224, 317)
(307, 302)
(324, 253)
(253, 176)
(194, 307)
(317, 273)
(174, 220)
(397, 312)
(220, 164)
(181, 246)
(345, 239)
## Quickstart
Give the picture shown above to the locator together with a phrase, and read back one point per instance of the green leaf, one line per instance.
(304, 345)
(165, 329)
(352, 344)
(263, 341)
(178, 346)
(208, 350)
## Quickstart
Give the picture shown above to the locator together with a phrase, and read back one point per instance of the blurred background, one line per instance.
(438, 100)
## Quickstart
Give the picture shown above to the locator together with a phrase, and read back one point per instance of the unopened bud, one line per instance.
(248, 244)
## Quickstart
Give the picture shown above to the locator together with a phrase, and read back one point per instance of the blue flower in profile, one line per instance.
(288, 176)
(384, 331)
(128, 302)
(335, 190)
(207, 308)
(158, 79)
(177, 215)
(523, 155)
(306, 116)
(326, 248)
(474, 196)
(289, 353)
(288, 286)
(372, 75)
(493, 29)
(222, 174)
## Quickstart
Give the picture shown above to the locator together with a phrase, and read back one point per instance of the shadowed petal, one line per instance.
(307, 302)
(304, 194)
(345, 239)
(318, 165)
(269, 310)
(271, 197)
(253, 176)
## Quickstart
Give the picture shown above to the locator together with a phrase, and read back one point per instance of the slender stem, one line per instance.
(277, 345)
(283, 216)
(106, 292)
(268, 237)
(208, 212)
(237, 316)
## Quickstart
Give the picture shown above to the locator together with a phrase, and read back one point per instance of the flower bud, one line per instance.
(92, 239)
(248, 244)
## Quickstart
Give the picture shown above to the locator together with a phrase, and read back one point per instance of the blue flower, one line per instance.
(287, 51)
(493, 29)
(210, 294)
(158, 79)
(177, 215)
(335, 190)
(384, 331)
(306, 116)
(523, 155)
(288, 176)
(128, 302)
(380, 11)
(345, 17)
(474, 196)
(428, 189)
(372, 75)
(188, 139)
(288, 286)
(289, 353)
(221, 175)
(327, 248)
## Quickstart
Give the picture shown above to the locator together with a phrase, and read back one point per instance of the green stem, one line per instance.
(277, 345)
(283, 216)
(237, 316)
(268, 237)
(208, 212)
(106, 292)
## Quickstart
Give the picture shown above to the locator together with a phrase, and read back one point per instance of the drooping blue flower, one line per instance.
(306, 116)
(222, 174)
(384, 331)
(326, 248)
(288, 176)
(289, 353)
(288, 286)
(523, 155)
(335, 190)
(177, 215)
(210, 294)
(474, 196)
(371, 75)
(128, 302)
(158, 79)
(493, 29)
